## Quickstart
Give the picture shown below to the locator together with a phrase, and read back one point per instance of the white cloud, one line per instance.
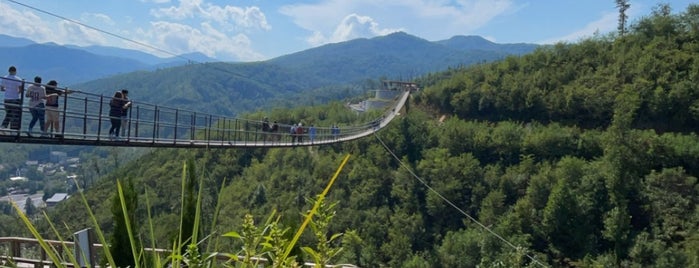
(186, 9)
(227, 39)
(71, 33)
(606, 23)
(249, 17)
(180, 38)
(352, 26)
(23, 24)
(27, 24)
(100, 18)
(327, 21)
(229, 16)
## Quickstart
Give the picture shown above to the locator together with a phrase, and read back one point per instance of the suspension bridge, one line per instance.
(84, 119)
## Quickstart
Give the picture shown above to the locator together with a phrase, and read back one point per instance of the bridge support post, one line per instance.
(15, 248)
(83, 248)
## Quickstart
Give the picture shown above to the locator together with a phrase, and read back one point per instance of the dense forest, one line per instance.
(582, 155)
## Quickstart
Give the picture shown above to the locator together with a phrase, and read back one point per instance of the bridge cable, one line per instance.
(423, 182)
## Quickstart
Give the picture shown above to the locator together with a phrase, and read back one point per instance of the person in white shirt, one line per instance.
(12, 85)
(37, 95)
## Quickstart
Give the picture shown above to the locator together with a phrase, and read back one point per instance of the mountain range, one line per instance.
(73, 64)
(187, 81)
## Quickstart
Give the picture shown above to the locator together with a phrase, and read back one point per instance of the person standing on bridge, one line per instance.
(335, 131)
(299, 133)
(36, 94)
(292, 132)
(274, 130)
(52, 94)
(312, 133)
(12, 85)
(265, 128)
(125, 111)
(116, 108)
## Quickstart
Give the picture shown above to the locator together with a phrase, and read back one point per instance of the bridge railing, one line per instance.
(85, 116)
(20, 250)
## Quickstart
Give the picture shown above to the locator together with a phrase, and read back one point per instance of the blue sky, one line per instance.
(251, 30)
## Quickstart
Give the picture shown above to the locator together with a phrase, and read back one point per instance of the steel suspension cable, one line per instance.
(446, 200)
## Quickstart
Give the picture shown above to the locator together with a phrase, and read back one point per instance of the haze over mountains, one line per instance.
(189, 80)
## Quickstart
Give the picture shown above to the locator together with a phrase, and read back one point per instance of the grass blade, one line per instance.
(155, 254)
(124, 210)
(98, 230)
(58, 235)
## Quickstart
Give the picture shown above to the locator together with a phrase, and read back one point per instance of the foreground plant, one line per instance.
(265, 245)
(325, 249)
(252, 238)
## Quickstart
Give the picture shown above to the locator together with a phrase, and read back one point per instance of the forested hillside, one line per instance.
(579, 155)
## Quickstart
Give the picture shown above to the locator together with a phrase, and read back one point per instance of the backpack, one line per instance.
(292, 130)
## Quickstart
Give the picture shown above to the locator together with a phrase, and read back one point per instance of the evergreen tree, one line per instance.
(29, 207)
(120, 243)
(623, 5)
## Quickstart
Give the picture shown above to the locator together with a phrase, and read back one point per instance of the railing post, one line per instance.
(193, 126)
(65, 113)
(176, 122)
(15, 248)
(128, 129)
(208, 131)
(43, 253)
(247, 134)
(20, 109)
(155, 122)
(228, 130)
(83, 248)
(257, 129)
(99, 124)
(138, 116)
(218, 129)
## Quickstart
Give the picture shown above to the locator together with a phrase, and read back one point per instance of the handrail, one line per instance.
(16, 256)
(18, 243)
(84, 120)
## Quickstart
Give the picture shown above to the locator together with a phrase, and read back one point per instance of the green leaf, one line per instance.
(233, 234)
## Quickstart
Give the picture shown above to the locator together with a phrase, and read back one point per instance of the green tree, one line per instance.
(493, 206)
(564, 220)
(120, 245)
(29, 207)
(460, 248)
(623, 5)
(456, 178)
(671, 193)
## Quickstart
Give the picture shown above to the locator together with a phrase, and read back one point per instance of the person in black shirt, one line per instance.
(52, 93)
